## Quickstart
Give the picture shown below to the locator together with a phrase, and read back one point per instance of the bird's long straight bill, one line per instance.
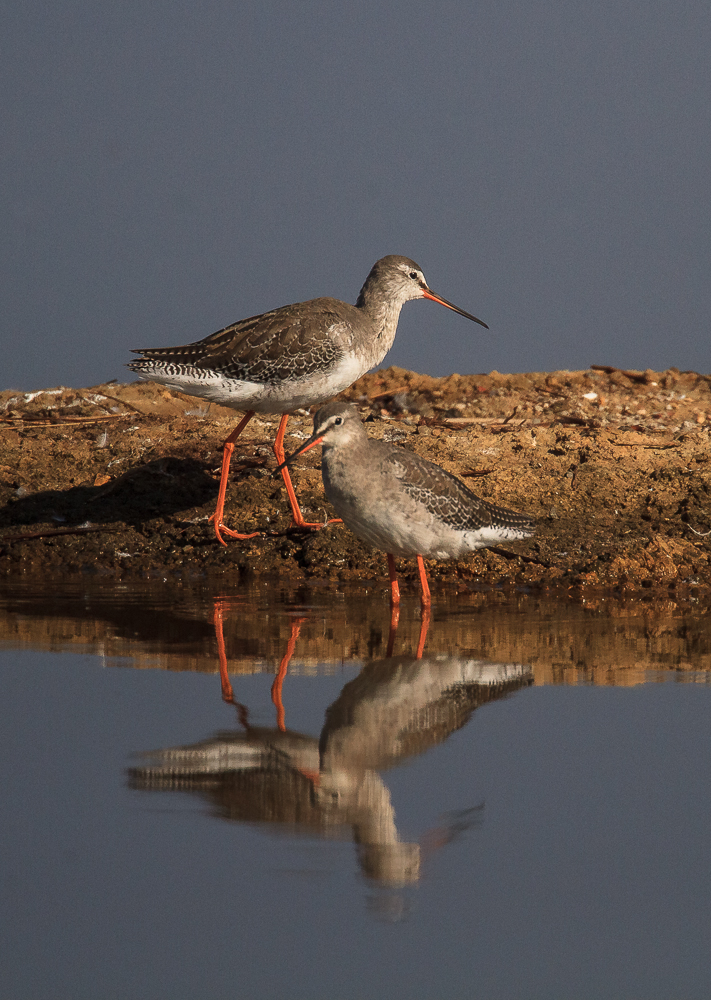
(299, 451)
(443, 302)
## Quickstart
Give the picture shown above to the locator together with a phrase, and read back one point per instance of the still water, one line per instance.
(265, 793)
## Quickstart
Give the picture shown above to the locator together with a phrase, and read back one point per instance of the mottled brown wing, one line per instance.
(289, 342)
(447, 498)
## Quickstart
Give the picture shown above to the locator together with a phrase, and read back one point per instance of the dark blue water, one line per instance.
(442, 827)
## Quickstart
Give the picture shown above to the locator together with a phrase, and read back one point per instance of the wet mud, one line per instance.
(119, 481)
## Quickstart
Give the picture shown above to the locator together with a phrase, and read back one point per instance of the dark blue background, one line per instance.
(170, 167)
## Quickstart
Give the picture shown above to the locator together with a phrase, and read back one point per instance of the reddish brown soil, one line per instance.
(120, 480)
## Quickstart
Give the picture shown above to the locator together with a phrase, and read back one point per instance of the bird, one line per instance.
(296, 356)
(401, 503)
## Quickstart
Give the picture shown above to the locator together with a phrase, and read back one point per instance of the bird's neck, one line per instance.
(384, 315)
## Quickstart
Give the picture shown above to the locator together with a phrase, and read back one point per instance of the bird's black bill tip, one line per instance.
(450, 305)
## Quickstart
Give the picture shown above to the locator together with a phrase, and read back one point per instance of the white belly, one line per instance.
(277, 397)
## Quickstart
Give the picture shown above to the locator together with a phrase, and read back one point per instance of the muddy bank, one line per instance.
(120, 480)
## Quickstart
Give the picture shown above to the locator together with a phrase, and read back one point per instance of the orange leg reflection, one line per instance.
(227, 691)
(228, 694)
(394, 622)
(281, 673)
(424, 626)
(426, 601)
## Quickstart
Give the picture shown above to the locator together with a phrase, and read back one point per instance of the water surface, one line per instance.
(242, 794)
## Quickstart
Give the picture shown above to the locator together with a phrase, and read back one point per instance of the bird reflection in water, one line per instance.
(395, 709)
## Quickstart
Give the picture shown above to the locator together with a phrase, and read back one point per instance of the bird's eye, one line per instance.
(414, 275)
(338, 421)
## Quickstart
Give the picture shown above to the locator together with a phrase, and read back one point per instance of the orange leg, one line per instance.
(426, 599)
(394, 586)
(228, 448)
(297, 518)
(394, 604)
(281, 673)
